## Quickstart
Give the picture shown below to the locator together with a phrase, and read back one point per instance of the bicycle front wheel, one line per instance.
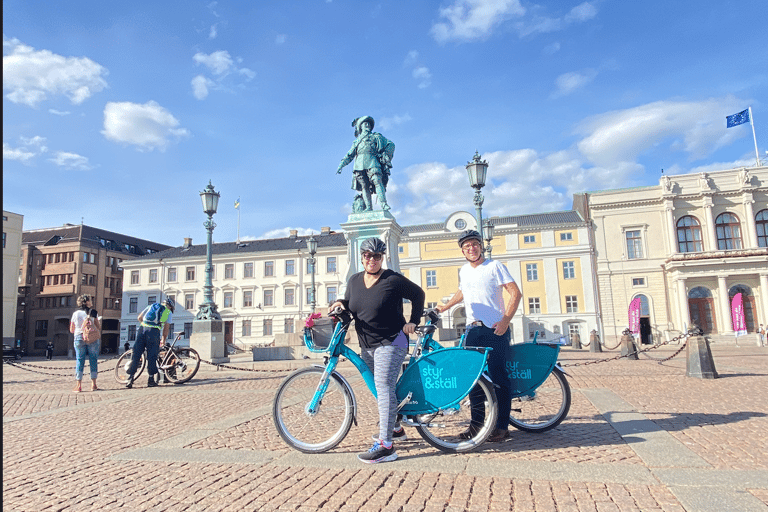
(121, 368)
(182, 365)
(306, 431)
(446, 429)
(545, 408)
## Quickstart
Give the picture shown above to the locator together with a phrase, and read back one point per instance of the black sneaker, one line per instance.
(397, 435)
(378, 453)
(151, 383)
(129, 385)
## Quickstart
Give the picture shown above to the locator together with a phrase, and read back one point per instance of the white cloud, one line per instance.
(390, 122)
(22, 155)
(146, 126)
(543, 24)
(286, 232)
(422, 76)
(411, 58)
(200, 86)
(218, 62)
(570, 82)
(70, 161)
(31, 76)
(59, 112)
(694, 127)
(581, 13)
(551, 48)
(281, 38)
(469, 20)
(213, 32)
(247, 73)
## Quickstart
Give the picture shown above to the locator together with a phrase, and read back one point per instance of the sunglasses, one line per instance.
(371, 256)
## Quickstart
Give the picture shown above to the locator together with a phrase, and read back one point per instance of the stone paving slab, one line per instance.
(639, 436)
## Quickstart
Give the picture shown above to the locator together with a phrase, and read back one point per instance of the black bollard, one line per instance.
(699, 357)
(628, 348)
(594, 342)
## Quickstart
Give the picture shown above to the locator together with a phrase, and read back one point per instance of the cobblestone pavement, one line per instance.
(640, 436)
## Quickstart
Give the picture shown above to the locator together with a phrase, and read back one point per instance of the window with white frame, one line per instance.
(267, 327)
(132, 333)
(290, 267)
(330, 265)
(189, 301)
(634, 244)
(269, 268)
(229, 271)
(151, 299)
(529, 239)
(431, 305)
(331, 294)
(534, 305)
(566, 237)
(290, 296)
(248, 269)
(248, 298)
(134, 277)
(431, 278)
(190, 273)
(533, 328)
(246, 327)
(133, 305)
(229, 299)
(638, 281)
(571, 304)
(532, 271)
(187, 330)
(569, 271)
(288, 327)
(269, 298)
(153, 275)
(171, 274)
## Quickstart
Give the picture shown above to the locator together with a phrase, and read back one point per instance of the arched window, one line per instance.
(699, 293)
(740, 288)
(761, 223)
(645, 308)
(728, 232)
(689, 234)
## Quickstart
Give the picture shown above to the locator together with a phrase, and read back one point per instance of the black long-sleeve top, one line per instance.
(378, 310)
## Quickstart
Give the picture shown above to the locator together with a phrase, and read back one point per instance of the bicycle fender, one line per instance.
(349, 389)
(559, 367)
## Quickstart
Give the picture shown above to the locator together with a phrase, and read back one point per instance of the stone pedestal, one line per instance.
(699, 359)
(594, 343)
(576, 341)
(379, 224)
(208, 339)
(628, 347)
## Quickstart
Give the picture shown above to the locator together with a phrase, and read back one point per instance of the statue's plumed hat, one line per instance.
(360, 120)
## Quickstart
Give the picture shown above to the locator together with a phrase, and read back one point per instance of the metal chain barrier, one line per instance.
(683, 337)
(219, 365)
(28, 367)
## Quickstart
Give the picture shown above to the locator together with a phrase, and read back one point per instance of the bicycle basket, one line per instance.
(318, 337)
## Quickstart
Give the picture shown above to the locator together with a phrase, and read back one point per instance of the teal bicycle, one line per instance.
(314, 407)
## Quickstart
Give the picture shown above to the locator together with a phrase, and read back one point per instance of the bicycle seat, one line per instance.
(425, 329)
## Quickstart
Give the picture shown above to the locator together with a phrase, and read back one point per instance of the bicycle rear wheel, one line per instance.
(546, 408)
(312, 432)
(184, 365)
(121, 368)
(443, 429)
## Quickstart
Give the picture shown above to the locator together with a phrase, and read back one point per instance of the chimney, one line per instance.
(187, 243)
(325, 230)
(294, 233)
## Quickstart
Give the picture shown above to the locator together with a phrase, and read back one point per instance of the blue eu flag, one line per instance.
(737, 119)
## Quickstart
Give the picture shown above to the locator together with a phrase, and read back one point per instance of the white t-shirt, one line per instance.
(78, 318)
(483, 287)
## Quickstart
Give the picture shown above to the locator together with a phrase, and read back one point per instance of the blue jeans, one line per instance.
(92, 351)
(482, 336)
(147, 338)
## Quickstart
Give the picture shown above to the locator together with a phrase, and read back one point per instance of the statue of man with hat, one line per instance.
(372, 153)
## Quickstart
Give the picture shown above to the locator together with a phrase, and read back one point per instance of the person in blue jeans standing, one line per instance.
(154, 325)
(481, 282)
(83, 349)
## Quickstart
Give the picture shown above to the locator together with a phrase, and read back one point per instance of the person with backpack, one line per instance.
(155, 322)
(86, 327)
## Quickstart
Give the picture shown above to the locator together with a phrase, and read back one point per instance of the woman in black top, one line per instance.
(374, 297)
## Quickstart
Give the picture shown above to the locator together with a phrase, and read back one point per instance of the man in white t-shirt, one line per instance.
(481, 285)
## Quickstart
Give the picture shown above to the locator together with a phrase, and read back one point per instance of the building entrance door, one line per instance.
(702, 314)
(646, 335)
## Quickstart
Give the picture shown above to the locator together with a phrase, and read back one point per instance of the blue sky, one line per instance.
(120, 113)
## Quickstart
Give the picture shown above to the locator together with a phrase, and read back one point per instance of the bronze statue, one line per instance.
(372, 153)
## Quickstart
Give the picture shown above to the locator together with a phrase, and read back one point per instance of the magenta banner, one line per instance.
(737, 314)
(634, 315)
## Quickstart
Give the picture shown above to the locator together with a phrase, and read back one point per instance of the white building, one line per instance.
(12, 227)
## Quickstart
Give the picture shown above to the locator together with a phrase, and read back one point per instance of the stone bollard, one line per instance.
(699, 359)
(628, 348)
(594, 342)
(576, 341)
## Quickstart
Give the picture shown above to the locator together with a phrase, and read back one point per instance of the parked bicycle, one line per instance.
(314, 407)
(176, 364)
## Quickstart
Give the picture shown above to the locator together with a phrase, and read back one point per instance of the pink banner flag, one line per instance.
(634, 315)
(737, 314)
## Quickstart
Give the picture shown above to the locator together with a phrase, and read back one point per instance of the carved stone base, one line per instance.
(363, 225)
(208, 339)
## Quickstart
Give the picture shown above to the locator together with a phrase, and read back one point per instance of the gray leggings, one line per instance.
(385, 363)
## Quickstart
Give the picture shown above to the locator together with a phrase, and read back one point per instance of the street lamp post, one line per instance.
(207, 328)
(210, 204)
(312, 247)
(488, 229)
(477, 170)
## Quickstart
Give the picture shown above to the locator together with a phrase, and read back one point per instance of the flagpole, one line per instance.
(238, 223)
(754, 137)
